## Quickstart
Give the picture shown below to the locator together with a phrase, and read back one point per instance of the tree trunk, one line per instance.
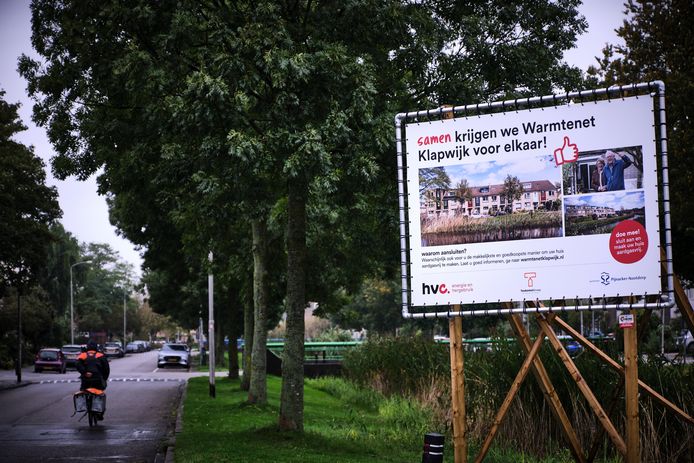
(257, 393)
(292, 398)
(219, 341)
(247, 342)
(235, 329)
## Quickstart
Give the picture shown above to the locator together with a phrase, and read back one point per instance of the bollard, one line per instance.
(433, 448)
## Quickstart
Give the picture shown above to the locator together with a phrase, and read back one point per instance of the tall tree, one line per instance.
(257, 392)
(28, 206)
(512, 191)
(432, 178)
(98, 300)
(658, 46)
(54, 278)
(463, 192)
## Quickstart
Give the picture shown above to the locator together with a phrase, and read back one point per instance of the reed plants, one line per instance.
(491, 224)
(419, 370)
(590, 226)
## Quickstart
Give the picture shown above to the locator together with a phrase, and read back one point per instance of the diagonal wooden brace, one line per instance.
(616, 366)
(520, 377)
(612, 432)
(548, 390)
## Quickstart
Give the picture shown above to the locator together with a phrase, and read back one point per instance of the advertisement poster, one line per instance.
(546, 203)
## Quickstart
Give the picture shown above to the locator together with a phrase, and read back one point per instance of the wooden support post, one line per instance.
(612, 363)
(548, 390)
(455, 325)
(631, 388)
(582, 385)
(681, 298)
(520, 377)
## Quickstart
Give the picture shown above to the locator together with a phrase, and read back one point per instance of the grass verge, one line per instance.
(227, 429)
(342, 425)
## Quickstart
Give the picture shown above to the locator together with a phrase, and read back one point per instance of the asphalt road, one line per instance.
(141, 409)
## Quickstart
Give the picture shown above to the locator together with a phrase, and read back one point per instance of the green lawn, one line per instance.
(226, 429)
(360, 426)
(195, 363)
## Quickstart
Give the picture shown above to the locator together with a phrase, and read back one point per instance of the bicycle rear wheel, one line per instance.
(90, 414)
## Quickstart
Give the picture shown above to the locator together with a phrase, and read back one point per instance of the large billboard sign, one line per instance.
(536, 204)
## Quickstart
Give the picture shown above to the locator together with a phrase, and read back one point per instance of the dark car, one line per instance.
(573, 348)
(50, 359)
(172, 354)
(71, 352)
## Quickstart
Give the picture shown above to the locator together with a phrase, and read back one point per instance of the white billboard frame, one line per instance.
(664, 298)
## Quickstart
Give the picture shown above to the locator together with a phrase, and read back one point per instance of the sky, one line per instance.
(527, 169)
(85, 213)
(616, 200)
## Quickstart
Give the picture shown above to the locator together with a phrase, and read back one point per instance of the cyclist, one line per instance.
(93, 368)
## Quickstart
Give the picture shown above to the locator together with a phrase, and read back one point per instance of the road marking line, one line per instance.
(111, 380)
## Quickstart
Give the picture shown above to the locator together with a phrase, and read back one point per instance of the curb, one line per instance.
(178, 427)
(4, 386)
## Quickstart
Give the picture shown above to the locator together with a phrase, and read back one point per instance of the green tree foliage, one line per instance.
(463, 192)
(99, 289)
(27, 206)
(54, 281)
(375, 307)
(432, 178)
(513, 189)
(37, 323)
(466, 52)
(658, 46)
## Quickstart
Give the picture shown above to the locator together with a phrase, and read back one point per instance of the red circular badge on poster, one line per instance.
(628, 242)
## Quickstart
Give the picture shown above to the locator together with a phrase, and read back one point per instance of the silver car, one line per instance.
(172, 354)
(71, 352)
(113, 349)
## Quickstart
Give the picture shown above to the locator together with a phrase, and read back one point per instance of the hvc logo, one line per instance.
(434, 289)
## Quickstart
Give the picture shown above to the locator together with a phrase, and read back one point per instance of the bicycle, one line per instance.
(92, 402)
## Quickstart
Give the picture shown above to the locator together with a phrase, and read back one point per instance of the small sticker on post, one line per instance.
(626, 320)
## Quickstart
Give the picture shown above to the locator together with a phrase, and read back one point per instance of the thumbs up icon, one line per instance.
(567, 153)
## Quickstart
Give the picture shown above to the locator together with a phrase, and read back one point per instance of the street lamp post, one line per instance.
(125, 336)
(210, 328)
(72, 306)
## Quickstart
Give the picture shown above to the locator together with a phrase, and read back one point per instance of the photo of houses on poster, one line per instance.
(599, 213)
(490, 201)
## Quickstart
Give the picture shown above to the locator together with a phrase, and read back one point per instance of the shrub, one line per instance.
(418, 370)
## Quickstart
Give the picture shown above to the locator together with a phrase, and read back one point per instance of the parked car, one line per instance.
(573, 348)
(686, 341)
(132, 348)
(144, 345)
(596, 334)
(71, 352)
(50, 359)
(113, 349)
(173, 354)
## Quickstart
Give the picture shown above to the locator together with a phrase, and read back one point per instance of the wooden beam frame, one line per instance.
(619, 368)
(520, 377)
(593, 402)
(548, 390)
(455, 326)
(631, 392)
(630, 449)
